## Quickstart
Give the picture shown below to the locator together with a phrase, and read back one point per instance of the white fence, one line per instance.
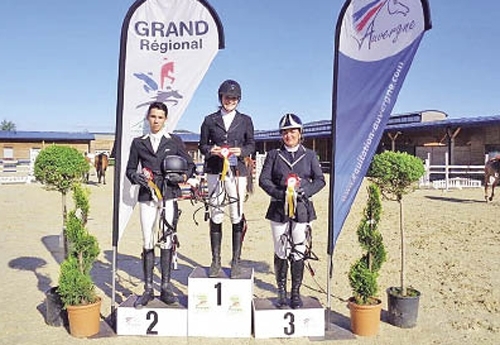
(16, 171)
(447, 171)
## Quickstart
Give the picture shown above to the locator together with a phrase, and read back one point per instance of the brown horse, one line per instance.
(491, 172)
(250, 165)
(101, 164)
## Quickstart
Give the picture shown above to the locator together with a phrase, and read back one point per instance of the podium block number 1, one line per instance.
(218, 287)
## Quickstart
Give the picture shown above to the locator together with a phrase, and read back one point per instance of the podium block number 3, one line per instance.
(290, 329)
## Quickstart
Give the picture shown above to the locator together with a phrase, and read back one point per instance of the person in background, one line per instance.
(291, 175)
(226, 138)
(158, 162)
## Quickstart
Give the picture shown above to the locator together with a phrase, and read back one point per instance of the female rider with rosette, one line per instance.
(290, 175)
(226, 138)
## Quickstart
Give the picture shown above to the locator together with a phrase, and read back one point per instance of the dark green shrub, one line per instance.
(364, 272)
(58, 167)
(395, 173)
(75, 282)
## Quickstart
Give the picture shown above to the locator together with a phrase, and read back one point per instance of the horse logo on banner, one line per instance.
(164, 93)
(365, 17)
(381, 25)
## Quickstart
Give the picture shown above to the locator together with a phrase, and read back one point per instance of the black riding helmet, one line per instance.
(174, 164)
(229, 88)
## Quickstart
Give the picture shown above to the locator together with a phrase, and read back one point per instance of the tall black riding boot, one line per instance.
(237, 238)
(148, 261)
(297, 275)
(215, 242)
(167, 294)
(280, 271)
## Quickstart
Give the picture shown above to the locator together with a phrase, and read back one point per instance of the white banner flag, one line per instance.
(166, 48)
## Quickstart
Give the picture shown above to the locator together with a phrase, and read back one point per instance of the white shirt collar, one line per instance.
(292, 149)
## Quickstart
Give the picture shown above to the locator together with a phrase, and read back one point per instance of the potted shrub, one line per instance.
(76, 287)
(58, 168)
(396, 174)
(365, 306)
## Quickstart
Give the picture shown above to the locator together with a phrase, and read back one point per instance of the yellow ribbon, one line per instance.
(225, 163)
(290, 201)
(225, 168)
(155, 189)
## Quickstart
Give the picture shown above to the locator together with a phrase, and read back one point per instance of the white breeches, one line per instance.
(149, 214)
(231, 191)
(281, 238)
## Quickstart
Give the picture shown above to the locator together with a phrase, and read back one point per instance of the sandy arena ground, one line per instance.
(452, 258)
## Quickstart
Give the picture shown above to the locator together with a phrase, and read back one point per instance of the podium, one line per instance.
(155, 319)
(220, 307)
(272, 322)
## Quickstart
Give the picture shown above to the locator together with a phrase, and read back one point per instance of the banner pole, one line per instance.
(113, 284)
(329, 292)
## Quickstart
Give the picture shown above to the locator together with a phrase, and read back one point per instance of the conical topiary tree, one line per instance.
(364, 272)
(76, 286)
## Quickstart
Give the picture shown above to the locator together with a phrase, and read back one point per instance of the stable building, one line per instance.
(426, 134)
(25, 145)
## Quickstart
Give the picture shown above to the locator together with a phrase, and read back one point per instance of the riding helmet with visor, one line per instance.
(174, 164)
(230, 88)
(289, 121)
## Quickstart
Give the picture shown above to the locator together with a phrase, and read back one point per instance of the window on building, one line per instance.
(8, 153)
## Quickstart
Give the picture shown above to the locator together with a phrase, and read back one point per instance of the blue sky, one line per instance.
(59, 62)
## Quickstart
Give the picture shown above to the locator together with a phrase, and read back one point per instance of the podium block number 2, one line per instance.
(154, 316)
(290, 329)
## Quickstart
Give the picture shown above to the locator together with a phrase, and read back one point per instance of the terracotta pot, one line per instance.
(365, 319)
(84, 320)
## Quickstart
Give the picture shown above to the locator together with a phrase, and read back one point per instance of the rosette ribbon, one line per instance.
(292, 183)
(155, 191)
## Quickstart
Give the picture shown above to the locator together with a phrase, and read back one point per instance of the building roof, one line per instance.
(47, 136)
(323, 128)
(188, 137)
(460, 122)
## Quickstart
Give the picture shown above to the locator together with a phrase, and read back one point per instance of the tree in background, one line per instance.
(7, 126)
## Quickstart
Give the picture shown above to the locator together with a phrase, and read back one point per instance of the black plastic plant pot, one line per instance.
(55, 315)
(403, 310)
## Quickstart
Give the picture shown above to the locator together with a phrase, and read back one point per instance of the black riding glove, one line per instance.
(140, 179)
(174, 178)
(301, 194)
